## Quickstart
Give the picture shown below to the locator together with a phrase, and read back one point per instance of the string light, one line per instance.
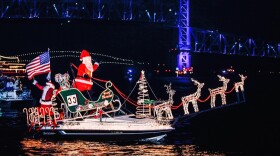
(75, 54)
(11, 65)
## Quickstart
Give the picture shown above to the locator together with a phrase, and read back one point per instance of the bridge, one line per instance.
(172, 13)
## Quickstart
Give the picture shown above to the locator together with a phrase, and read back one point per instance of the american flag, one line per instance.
(39, 65)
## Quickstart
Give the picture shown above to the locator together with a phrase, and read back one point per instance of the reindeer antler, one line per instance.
(168, 86)
(220, 77)
(195, 81)
(242, 76)
(168, 89)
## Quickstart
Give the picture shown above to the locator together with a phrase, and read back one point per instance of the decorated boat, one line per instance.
(11, 87)
(73, 115)
(15, 96)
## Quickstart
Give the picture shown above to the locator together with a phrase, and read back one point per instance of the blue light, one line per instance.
(183, 60)
(129, 74)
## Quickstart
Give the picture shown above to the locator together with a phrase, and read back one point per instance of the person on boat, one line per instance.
(9, 84)
(18, 86)
(47, 96)
(3, 81)
(83, 80)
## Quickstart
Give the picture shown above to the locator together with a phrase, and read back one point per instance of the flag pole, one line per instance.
(49, 74)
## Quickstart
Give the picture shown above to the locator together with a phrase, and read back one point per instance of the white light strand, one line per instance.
(75, 56)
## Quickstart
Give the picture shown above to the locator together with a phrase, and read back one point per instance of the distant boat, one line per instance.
(11, 88)
(16, 99)
(15, 95)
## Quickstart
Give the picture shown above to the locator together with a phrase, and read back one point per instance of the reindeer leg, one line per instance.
(195, 106)
(213, 99)
(170, 113)
(223, 96)
(243, 95)
(238, 98)
(186, 105)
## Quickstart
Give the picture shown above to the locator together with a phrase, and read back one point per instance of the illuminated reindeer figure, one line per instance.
(240, 85)
(192, 97)
(219, 90)
(163, 110)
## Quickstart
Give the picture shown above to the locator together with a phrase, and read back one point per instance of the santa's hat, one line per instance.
(49, 83)
(84, 53)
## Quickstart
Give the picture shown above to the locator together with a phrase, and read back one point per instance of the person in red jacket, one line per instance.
(83, 80)
(46, 98)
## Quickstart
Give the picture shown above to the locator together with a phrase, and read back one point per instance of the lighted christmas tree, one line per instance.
(143, 94)
(143, 100)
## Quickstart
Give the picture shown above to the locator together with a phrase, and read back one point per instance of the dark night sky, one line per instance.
(240, 17)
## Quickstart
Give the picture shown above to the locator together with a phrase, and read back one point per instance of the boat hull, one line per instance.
(120, 129)
(104, 134)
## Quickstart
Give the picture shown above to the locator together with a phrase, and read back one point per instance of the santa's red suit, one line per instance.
(83, 80)
(46, 98)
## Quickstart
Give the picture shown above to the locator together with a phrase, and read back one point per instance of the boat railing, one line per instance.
(38, 117)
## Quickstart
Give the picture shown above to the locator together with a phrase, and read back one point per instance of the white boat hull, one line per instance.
(121, 128)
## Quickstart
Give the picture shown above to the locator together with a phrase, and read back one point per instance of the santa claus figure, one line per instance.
(46, 98)
(83, 80)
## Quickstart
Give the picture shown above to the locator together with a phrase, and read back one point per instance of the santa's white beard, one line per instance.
(88, 63)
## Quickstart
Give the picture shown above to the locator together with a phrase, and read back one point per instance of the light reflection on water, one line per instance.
(82, 147)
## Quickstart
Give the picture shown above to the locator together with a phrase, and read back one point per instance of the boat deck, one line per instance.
(17, 99)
